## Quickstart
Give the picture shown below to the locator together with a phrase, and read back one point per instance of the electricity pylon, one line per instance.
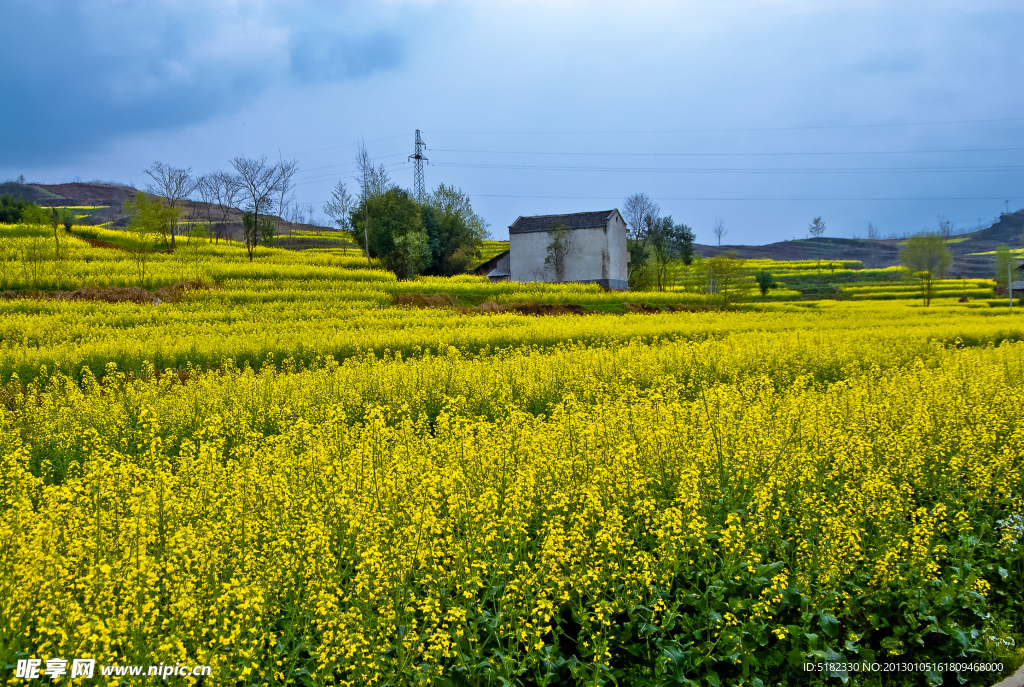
(418, 159)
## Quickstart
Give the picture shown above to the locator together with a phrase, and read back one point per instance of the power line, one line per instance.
(737, 170)
(340, 164)
(323, 177)
(1000, 198)
(765, 128)
(853, 152)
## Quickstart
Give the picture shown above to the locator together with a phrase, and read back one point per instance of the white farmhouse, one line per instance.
(591, 250)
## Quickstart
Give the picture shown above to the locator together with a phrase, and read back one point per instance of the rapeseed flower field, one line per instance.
(292, 481)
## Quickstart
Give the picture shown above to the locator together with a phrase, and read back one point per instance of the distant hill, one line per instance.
(109, 200)
(87, 194)
(29, 192)
(885, 252)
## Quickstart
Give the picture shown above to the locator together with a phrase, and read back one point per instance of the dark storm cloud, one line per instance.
(77, 75)
(318, 55)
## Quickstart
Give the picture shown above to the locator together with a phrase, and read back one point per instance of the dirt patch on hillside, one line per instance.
(97, 243)
(90, 193)
(447, 301)
(641, 308)
(422, 300)
(528, 308)
(115, 294)
(645, 309)
(694, 308)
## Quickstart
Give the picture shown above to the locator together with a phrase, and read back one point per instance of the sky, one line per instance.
(760, 114)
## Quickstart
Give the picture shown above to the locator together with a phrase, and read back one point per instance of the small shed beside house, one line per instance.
(596, 250)
(496, 269)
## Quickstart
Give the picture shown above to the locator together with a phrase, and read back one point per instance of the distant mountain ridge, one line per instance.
(92, 194)
(885, 252)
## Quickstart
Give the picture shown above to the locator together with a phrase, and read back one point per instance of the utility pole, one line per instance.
(418, 160)
(1009, 282)
(365, 169)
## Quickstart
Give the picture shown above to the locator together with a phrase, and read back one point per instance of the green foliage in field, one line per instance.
(12, 209)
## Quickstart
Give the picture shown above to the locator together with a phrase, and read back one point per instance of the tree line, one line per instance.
(256, 188)
(654, 243)
(439, 234)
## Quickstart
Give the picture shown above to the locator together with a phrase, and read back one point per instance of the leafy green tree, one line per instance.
(727, 273)
(249, 234)
(410, 254)
(256, 232)
(33, 214)
(1006, 263)
(928, 258)
(60, 217)
(267, 231)
(146, 219)
(661, 250)
(67, 218)
(11, 209)
(668, 242)
(454, 231)
(395, 233)
(765, 282)
(683, 239)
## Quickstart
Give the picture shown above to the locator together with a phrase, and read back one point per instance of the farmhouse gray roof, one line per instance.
(576, 220)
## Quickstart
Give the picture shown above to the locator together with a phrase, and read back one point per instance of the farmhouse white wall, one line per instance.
(598, 255)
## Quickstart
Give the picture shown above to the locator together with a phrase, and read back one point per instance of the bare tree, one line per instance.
(946, 228)
(193, 214)
(174, 185)
(374, 182)
(219, 191)
(208, 196)
(259, 181)
(817, 230)
(338, 208)
(874, 235)
(287, 170)
(719, 230)
(640, 213)
(635, 211)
